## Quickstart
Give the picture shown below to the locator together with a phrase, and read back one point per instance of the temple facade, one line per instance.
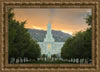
(49, 46)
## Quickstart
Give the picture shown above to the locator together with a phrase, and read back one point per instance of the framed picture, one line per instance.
(44, 36)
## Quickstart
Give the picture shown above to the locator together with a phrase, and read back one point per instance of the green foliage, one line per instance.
(54, 55)
(89, 19)
(43, 56)
(21, 43)
(79, 46)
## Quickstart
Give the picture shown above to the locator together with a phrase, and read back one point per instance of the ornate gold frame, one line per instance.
(5, 67)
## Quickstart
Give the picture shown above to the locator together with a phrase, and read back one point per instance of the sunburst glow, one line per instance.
(66, 32)
(37, 28)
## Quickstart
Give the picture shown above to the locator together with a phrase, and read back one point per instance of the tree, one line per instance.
(20, 41)
(13, 52)
(79, 46)
(89, 19)
(54, 56)
(43, 56)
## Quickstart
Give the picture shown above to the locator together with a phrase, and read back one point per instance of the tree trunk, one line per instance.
(70, 60)
(79, 60)
(28, 59)
(15, 60)
(75, 60)
(19, 59)
(84, 61)
(36, 59)
(22, 59)
(88, 60)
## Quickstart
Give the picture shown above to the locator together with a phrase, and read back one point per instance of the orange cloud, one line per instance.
(65, 20)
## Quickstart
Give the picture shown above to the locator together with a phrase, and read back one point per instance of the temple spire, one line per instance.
(49, 36)
(49, 17)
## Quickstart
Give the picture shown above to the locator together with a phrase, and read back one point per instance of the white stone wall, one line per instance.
(56, 47)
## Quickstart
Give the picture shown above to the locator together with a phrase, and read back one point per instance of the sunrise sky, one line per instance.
(63, 19)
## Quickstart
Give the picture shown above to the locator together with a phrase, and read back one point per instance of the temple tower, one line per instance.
(49, 36)
(49, 40)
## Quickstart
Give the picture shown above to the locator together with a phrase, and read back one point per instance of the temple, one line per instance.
(49, 46)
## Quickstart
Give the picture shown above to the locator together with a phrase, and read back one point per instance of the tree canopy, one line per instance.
(79, 46)
(21, 44)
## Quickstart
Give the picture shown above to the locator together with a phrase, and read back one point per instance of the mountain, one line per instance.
(39, 35)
